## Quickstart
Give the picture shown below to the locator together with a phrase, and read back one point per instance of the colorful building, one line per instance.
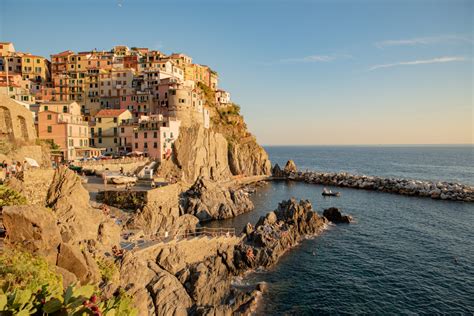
(104, 129)
(153, 135)
(62, 123)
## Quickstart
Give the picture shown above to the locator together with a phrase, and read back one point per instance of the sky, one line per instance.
(304, 72)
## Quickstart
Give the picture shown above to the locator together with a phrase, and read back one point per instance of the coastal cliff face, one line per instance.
(223, 150)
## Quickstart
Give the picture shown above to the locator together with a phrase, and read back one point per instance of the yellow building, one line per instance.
(35, 68)
(105, 130)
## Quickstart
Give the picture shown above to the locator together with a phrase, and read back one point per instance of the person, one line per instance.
(153, 184)
(104, 176)
(121, 170)
(325, 190)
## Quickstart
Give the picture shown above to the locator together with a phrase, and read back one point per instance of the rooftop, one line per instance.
(110, 113)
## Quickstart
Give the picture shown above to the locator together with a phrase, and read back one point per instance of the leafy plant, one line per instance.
(29, 287)
(107, 268)
(9, 196)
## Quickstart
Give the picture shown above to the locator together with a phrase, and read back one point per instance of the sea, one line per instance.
(402, 256)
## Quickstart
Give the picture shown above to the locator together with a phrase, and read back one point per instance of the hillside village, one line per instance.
(102, 103)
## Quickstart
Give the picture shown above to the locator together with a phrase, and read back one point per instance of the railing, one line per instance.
(181, 235)
(109, 161)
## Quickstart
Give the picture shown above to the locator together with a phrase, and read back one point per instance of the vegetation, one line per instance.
(209, 94)
(28, 286)
(50, 143)
(9, 196)
(107, 268)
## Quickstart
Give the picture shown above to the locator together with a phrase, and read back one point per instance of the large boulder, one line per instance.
(69, 200)
(334, 215)
(290, 167)
(209, 200)
(78, 262)
(33, 228)
(277, 172)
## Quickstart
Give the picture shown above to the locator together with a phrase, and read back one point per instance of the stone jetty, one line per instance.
(436, 190)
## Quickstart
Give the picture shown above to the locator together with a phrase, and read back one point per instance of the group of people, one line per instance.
(13, 170)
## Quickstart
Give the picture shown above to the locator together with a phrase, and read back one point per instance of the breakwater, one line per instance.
(436, 190)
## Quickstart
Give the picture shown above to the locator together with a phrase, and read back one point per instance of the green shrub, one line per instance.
(28, 286)
(9, 196)
(107, 268)
(23, 271)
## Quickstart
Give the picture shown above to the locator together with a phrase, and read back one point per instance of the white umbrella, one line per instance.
(32, 162)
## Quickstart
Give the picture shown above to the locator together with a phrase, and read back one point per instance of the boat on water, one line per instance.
(331, 194)
(327, 192)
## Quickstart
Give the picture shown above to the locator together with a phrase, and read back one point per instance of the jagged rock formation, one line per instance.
(226, 148)
(201, 152)
(290, 167)
(69, 200)
(66, 233)
(334, 215)
(209, 200)
(276, 232)
(162, 212)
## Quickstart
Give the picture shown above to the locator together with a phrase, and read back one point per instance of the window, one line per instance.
(136, 145)
(122, 130)
(145, 135)
(99, 120)
(136, 135)
(100, 141)
(155, 145)
(115, 131)
(115, 120)
(50, 129)
(49, 117)
(46, 108)
(65, 109)
(164, 134)
(171, 134)
(155, 134)
(115, 140)
(145, 145)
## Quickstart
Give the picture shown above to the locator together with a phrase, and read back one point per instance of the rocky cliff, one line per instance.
(223, 150)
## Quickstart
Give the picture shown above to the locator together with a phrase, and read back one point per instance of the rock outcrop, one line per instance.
(162, 212)
(209, 200)
(77, 220)
(276, 232)
(199, 152)
(78, 262)
(333, 214)
(290, 167)
(248, 158)
(32, 228)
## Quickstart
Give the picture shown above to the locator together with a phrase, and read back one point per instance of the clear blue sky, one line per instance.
(304, 72)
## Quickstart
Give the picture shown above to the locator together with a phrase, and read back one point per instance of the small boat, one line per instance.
(331, 194)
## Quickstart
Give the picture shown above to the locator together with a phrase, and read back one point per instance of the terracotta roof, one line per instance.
(110, 113)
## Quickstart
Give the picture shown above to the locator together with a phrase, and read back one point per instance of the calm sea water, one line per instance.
(403, 255)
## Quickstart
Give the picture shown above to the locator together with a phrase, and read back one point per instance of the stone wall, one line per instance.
(16, 121)
(129, 165)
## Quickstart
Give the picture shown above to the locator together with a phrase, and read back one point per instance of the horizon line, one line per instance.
(395, 144)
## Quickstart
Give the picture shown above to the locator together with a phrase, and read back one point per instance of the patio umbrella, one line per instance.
(32, 162)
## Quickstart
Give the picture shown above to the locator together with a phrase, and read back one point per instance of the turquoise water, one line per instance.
(403, 255)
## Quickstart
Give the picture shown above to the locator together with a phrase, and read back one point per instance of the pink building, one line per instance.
(152, 135)
(139, 103)
(63, 124)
